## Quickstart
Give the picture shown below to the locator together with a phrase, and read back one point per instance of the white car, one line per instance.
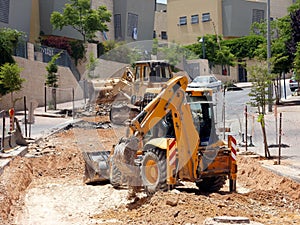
(293, 84)
(208, 81)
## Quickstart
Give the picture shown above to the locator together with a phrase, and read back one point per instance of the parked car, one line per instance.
(208, 81)
(293, 84)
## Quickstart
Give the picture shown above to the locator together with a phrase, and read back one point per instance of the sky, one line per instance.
(162, 1)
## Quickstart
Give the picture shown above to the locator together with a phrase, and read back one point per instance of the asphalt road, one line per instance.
(235, 102)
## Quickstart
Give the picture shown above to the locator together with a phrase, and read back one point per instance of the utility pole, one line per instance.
(270, 94)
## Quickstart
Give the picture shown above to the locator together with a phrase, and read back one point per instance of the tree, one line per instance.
(121, 52)
(8, 41)
(215, 51)
(260, 78)
(244, 47)
(281, 59)
(51, 77)
(82, 18)
(295, 29)
(297, 67)
(173, 53)
(78, 51)
(10, 79)
(91, 65)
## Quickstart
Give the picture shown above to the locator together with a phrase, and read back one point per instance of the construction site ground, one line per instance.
(46, 187)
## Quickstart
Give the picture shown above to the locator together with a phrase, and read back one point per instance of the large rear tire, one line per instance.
(154, 171)
(211, 184)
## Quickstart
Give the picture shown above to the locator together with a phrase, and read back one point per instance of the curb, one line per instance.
(293, 173)
(56, 129)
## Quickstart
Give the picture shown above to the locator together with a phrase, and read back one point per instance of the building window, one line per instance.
(194, 19)
(182, 20)
(258, 15)
(118, 31)
(164, 35)
(132, 25)
(205, 17)
(4, 11)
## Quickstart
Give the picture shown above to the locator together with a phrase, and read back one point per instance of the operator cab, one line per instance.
(152, 71)
(201, 106)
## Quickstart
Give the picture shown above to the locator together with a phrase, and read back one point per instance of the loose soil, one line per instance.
(46, 187)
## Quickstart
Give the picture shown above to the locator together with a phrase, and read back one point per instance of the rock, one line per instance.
(172, 202)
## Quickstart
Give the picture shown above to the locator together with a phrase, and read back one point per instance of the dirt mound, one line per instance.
(57, 158)
(253, 176)
(14, 181)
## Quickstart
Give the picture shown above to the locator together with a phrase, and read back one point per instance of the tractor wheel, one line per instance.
(211, 184)
(115, 175)
(154, 171)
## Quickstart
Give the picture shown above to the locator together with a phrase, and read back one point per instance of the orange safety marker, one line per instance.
(11, 113)
(232, 145)
(172, 160)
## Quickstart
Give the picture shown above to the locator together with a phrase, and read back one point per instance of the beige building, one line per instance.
(279, 8)
(189, 20)
(161, 22)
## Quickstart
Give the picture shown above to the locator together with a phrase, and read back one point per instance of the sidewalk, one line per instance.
(289, 165)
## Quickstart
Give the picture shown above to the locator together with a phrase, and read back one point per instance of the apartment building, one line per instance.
(160, 22)
(131, 19)
(33, 17)
(134, 19)
(46, 7)
(21, 15)
(190, 19)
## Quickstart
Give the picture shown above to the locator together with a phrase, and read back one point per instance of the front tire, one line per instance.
(154, 171)
(211, 184)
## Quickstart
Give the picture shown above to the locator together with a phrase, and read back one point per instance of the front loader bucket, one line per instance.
(96, 166)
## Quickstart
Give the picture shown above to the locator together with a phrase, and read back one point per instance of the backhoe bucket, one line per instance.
(96, 166)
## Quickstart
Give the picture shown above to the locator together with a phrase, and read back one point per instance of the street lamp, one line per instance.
(269, 55)
(202, 41)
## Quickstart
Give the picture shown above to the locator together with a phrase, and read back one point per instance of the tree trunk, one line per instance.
(54, 98)
(263, 128)
(277, 91)
(12, 99)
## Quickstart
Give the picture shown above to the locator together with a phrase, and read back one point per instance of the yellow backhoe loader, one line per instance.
(172, 139)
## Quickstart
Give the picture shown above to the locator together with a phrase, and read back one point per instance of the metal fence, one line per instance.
(45, 54)
(21, 50)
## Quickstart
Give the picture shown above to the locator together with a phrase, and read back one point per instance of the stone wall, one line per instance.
(33, 88)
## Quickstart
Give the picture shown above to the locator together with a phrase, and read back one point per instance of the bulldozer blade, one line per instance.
(96, 166)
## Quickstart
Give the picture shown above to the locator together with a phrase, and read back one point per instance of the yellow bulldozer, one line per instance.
(172, 139)
(129, 89)
(146, 73)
